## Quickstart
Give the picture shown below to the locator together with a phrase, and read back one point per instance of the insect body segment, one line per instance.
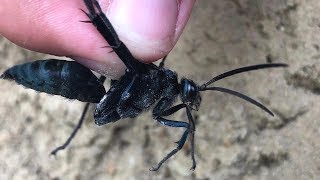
(134, 93)
(66, 78)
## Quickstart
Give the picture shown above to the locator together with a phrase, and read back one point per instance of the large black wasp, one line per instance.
(137, 90)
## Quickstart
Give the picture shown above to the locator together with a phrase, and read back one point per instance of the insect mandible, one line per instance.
(142, 87)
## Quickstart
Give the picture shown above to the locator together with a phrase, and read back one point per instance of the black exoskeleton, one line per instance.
(142, 86)
(66, 78)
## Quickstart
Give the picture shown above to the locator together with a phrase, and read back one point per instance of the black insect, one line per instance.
(142, 86)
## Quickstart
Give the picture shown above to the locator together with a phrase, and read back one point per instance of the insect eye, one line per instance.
(188, 91)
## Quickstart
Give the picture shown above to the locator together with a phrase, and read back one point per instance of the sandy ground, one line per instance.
(234, 139)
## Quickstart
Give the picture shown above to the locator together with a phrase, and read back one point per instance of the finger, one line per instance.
(54, 27)
(150, 30)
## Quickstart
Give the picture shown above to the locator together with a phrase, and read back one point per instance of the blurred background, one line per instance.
(234, 139)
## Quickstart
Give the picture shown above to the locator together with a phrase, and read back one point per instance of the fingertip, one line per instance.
(150, 29)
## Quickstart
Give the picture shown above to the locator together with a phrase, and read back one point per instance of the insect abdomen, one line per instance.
(66, 78)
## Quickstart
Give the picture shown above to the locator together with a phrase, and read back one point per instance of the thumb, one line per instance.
(149, 28)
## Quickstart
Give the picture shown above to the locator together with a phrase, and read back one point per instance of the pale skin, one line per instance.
(149, 28)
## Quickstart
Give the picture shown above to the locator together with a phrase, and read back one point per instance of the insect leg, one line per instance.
(162, 62)
(76, 129)
(174, 109)
(74, 132)
(161, 110)
(105, 28)
(180, 142)
(193, 129)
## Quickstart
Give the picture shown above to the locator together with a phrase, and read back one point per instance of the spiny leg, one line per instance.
(80, 122)
(162, 110)
(174, 109)
(180, 142)
(193, 129)
(101, 22)
(105, 28)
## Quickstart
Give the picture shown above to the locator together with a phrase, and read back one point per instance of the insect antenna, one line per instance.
(235, 93)
(242, 96)
(241, 70)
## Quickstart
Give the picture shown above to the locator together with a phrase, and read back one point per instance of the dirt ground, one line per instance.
(234, 139)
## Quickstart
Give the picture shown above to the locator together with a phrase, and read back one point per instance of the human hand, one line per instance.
(150, 29)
